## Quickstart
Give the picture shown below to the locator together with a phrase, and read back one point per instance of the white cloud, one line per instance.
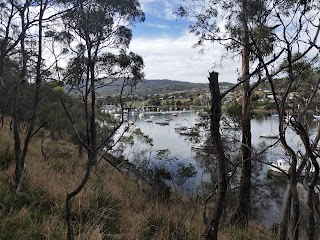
(174, 58)
(160, 26)
(160, 8)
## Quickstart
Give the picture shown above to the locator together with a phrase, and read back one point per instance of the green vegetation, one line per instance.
(110, 207)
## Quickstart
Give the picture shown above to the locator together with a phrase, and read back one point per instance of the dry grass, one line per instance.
(112, 205)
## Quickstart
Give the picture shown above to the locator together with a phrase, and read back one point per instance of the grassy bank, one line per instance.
(113, 205)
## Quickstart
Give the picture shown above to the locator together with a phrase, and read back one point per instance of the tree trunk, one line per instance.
(241, 215)
(212, 228)
(71, 195)
(283, 231)
(91, 137)
(19, 167)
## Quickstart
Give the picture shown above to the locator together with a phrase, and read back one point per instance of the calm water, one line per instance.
(165, 137)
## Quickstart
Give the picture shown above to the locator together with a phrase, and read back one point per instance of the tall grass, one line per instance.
(111, 206)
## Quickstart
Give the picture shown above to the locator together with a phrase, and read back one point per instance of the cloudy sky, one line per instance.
(166, 47)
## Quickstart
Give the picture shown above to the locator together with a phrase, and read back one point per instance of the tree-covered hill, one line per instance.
(156, 86)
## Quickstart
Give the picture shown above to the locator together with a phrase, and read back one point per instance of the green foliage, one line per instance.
(234, 112)
(163, 155)
(186, 171)
(142, 137)
(154, 102)
(196, 101)
(156, 178)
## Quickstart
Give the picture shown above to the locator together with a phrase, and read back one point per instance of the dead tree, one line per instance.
(212, 227)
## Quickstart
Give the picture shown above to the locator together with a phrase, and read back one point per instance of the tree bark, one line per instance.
(242, 213)
(212, 228)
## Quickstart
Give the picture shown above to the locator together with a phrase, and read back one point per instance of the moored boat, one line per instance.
(163, 122)
(189, 132)
(269, 135)
(202, 146)
(180, 127)
(281, 166)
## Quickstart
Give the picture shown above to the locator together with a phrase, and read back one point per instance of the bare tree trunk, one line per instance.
(212, 228)
(241, 215)
(19, 167)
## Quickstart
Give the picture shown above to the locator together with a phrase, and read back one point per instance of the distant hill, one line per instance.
(156, 86)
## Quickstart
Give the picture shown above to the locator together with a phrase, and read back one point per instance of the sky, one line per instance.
(165, 44)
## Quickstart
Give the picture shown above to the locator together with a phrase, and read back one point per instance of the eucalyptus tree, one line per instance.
(18, 17)
(99, 38)
(297, 31)
(266, 32)
(21, 34)
(13, 30)
(239, 21)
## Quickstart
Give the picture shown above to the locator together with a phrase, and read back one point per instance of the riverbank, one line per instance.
(113, 205)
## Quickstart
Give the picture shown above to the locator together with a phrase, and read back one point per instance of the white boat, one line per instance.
(269, 135)
(152, 116)
(281, 166)
(180, 127)
(202, 146)
(317, 117)
(162, 122)
(148, 120)
(189, 132)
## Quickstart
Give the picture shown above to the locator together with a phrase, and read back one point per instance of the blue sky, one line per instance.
(165, 44)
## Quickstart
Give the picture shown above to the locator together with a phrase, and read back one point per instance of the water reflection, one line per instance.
(268, 191)
(166, 137)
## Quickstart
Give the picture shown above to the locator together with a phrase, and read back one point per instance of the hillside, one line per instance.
(156, 86)
(113, 205)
